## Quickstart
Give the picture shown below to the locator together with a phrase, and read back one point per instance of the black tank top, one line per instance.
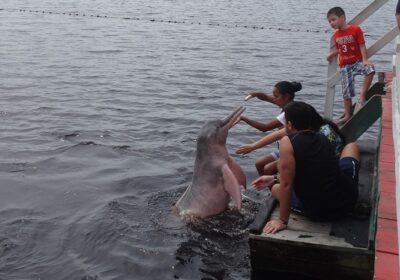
(324, 191)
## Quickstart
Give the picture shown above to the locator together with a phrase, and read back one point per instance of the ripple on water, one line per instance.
(211, 247)
(27, 244)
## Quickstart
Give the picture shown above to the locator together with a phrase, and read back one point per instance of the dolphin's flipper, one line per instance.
(238, 172)
(231, 185)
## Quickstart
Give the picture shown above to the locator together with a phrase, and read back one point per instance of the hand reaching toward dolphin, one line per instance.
(266, 140)
(237, 121)
(263, 181)
(245, 149)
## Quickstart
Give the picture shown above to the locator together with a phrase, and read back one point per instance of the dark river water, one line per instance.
(100, 105)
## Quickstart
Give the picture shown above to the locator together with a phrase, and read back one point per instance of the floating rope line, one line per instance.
(253, 27)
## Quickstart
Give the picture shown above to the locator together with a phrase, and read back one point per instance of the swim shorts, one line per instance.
(295, 203)
(350, 167)
(275, 154)
(347, 74)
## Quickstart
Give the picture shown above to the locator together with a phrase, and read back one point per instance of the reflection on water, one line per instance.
(99, 118)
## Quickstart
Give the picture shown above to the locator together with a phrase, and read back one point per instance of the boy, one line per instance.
(350, 46)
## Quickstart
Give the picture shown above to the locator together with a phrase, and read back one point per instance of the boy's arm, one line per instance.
(266, 140)
(364, 56)
(332, 54)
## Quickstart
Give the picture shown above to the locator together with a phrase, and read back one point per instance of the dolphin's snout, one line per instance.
(232, 117)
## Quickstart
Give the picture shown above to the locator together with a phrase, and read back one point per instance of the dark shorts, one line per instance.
(295, 203)
(350, 167)
(275, 154)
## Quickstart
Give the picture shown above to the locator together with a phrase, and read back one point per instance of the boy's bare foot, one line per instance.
(341, 122)
(358, 106)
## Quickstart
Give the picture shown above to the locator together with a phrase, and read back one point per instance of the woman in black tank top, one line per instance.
(324, 191)
(309, 167)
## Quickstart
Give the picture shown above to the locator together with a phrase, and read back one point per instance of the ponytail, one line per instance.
(288, 88)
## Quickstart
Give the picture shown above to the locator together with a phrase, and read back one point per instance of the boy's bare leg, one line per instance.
(347, 104)
(271, 168)
(351, 150)
(275, 191)
(364, 89)
(262, 161)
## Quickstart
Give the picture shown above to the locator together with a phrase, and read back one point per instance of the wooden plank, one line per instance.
(386, 266)
(387, 206)
(364, 14)
(263, 215)
(386, 236)
(388, 174)
(363, 119)
(383, 41)
(386, 166)
(315, 261)
(377, 89)
(307, 237)
(298, 222)
(330, 88)
(387, 157)
(387, 186)
(340, 234)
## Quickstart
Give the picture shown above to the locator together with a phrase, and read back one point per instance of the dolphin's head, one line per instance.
(216, 177)
(216, 131)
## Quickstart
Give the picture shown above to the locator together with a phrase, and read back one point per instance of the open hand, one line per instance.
(274, 226)
(262, 182)
(237, 120)
(367, 63)
(330, 56)
(245, 149)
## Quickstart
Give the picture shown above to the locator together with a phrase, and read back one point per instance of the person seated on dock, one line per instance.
(353, 60)
(326, 127)
(326, 186)
(282, 93)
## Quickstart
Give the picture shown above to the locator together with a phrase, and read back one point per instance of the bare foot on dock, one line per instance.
(358, 106)
(341, 122)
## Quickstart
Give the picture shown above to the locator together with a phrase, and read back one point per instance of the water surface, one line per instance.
(99, 117)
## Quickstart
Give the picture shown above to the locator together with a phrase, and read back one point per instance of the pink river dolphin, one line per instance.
(217, 178)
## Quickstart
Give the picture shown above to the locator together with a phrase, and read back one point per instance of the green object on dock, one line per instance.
(377, 89)
(363, 119)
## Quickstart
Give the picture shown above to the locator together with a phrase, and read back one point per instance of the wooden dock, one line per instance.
(387, 252)
(361, 246)
(343, 249)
